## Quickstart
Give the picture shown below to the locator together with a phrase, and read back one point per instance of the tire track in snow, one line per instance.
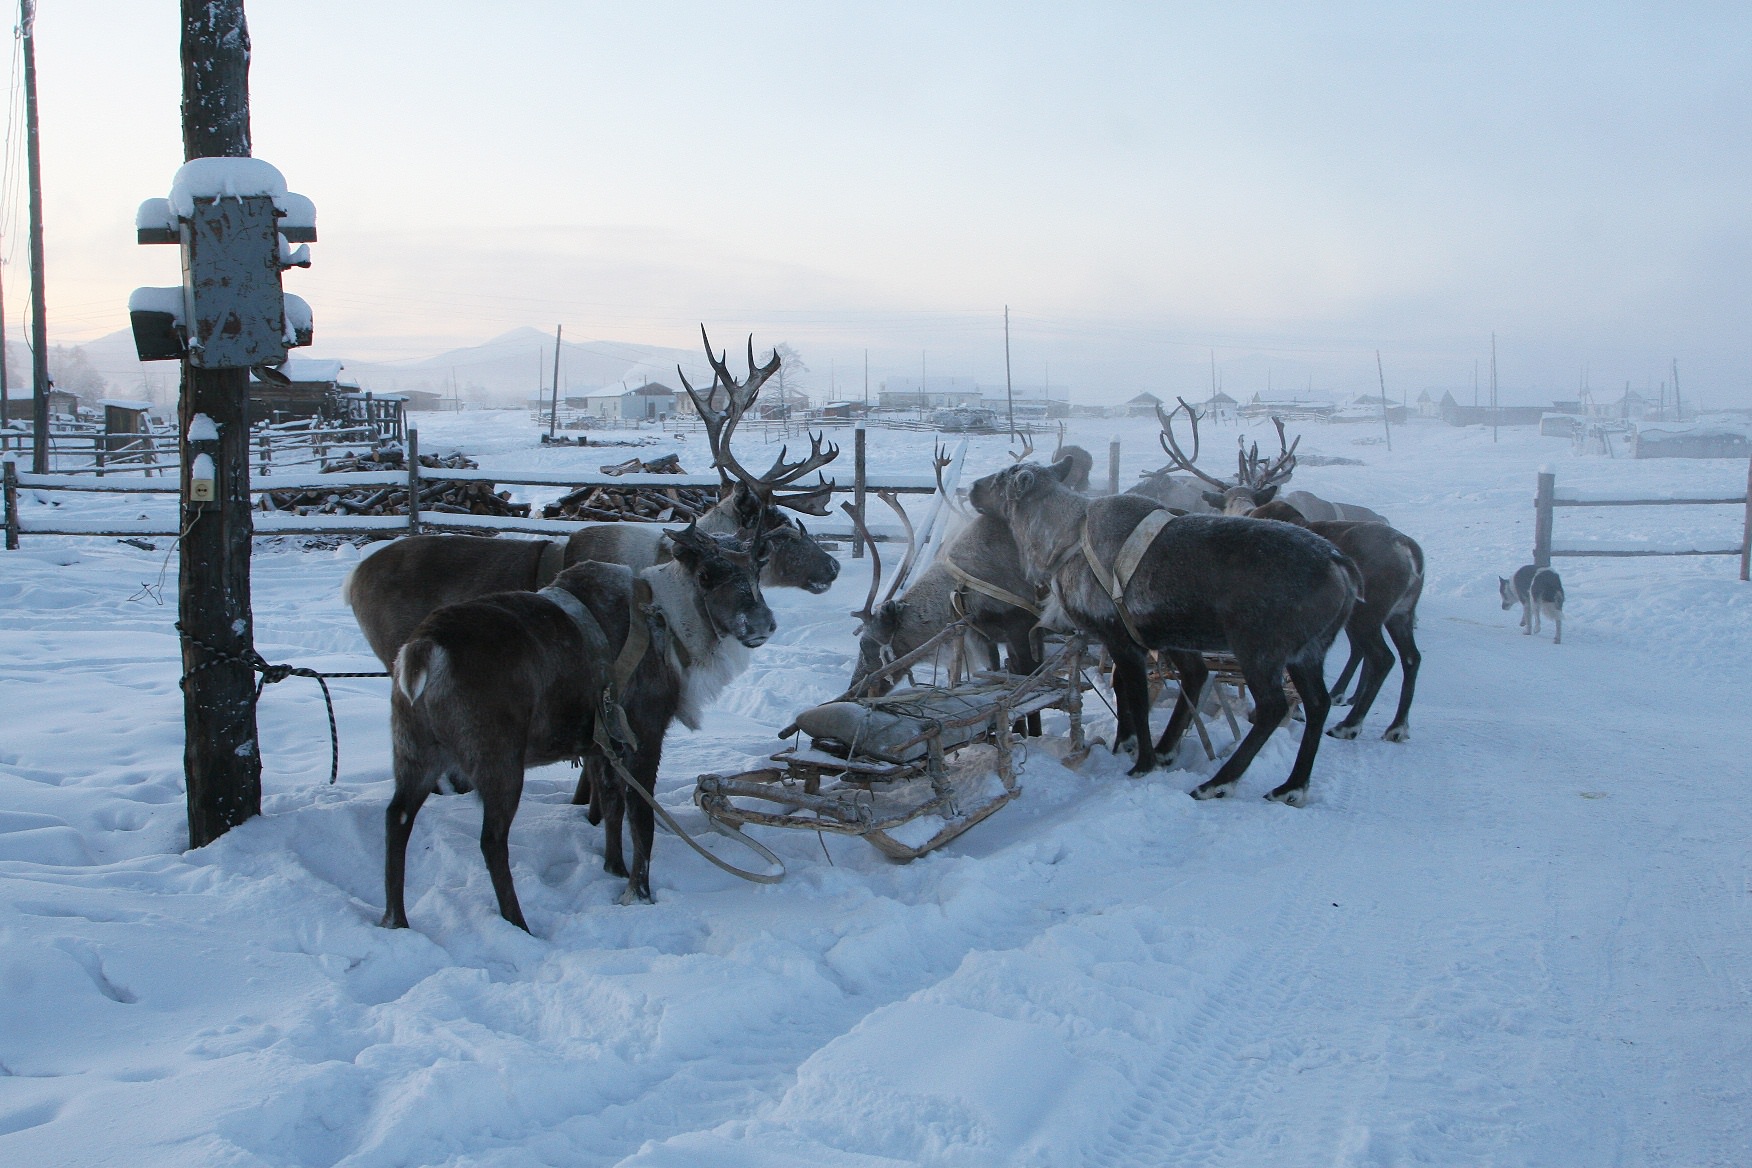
(1196, 1101)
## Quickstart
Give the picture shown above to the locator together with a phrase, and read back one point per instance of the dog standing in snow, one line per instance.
(1539, 592)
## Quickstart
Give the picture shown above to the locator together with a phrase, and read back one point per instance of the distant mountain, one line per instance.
(506, 370)
(512, 367)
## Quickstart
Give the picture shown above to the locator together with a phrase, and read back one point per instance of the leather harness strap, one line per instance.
(986, 588)
(1125, 565)
(638, 630)
(550, 562)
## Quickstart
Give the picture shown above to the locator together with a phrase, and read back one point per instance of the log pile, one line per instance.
(636, 504)
(445, 498)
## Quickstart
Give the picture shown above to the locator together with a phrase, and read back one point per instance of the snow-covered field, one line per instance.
(1522, 938)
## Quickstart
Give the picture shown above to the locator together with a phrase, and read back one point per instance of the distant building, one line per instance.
(1427, 406)
(649, 402)
(1219, 406)
(20, 402)
(1456, 414)
(936, 393)
(1142, 406)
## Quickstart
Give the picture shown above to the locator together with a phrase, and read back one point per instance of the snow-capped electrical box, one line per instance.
(236, 223)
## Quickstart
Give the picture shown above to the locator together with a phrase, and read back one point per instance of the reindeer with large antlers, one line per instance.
(751, 503)
(1258, 479)
(392, 591)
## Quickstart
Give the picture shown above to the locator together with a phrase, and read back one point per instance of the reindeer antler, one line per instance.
(1171, 446)
(868, 612)
(721, 429)
(940, 461)
(1258, 475)
(893, 502)
(1027, 445)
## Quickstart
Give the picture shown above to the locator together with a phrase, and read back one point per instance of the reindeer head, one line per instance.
(726, 573)
(1010, 491)
(796, 560)
(1256, 481)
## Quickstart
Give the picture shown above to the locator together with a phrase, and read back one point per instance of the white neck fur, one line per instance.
(717, 660)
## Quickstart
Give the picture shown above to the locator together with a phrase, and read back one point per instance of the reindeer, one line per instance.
(977, 577)
(392, 591)
(1128, 573)
(1257, 480)
(598, 660)
(1392, 565)
(750, 502)
(1082, 462)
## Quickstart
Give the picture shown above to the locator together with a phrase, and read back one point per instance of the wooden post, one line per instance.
(98, 444)
(413, 481)
(267, 449)
(221, 756)
(10, 469)
(1113, 467)
(1746, 533)
(1542, 519)
(859, 480)
(39, 328)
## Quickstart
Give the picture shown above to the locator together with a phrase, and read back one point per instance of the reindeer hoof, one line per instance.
(1297, 797)
(1343, 731)
(389, 922)
(631, 897)
(1397, 734)
(614, 868)
(1206, 791)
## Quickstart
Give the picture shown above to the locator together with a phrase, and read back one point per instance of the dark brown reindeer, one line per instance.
(1128, 573)
(491, 686)
(1392, 565)
(392, 591)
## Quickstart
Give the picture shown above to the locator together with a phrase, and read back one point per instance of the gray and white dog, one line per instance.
(1539, 592)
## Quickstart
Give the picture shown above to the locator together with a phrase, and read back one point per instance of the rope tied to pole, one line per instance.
(275, 673)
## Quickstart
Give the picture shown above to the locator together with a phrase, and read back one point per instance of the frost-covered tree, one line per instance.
(70, 369)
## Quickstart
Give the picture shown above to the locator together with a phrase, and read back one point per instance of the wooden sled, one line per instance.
(908, 771)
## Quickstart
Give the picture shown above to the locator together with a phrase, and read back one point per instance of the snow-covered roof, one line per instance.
(311, 369)
(1145, 397)
(124, 404)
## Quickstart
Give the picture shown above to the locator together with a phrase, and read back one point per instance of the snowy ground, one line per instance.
(1523, 938)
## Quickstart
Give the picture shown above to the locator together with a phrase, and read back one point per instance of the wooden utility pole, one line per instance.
(5, 393)
(554, 408)
(1493, 389)
(1009, 391)
(1386, 425)
(221, 756)
(1678, 407)
(39, 325)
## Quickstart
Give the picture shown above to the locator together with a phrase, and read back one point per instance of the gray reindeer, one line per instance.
(1128, 573)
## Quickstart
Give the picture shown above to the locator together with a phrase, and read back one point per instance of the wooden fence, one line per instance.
(1548, 498)
(78, 449)
(414, 478)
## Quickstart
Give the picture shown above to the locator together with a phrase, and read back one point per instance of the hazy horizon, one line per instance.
(1146, 187)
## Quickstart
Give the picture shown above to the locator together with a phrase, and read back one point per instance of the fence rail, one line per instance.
(1547, 498)
(284, 523)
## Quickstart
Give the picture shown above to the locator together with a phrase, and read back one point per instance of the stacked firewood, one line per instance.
(636, 504)
(443, 497)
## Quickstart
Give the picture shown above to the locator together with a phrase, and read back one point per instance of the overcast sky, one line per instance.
(1292, 186)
